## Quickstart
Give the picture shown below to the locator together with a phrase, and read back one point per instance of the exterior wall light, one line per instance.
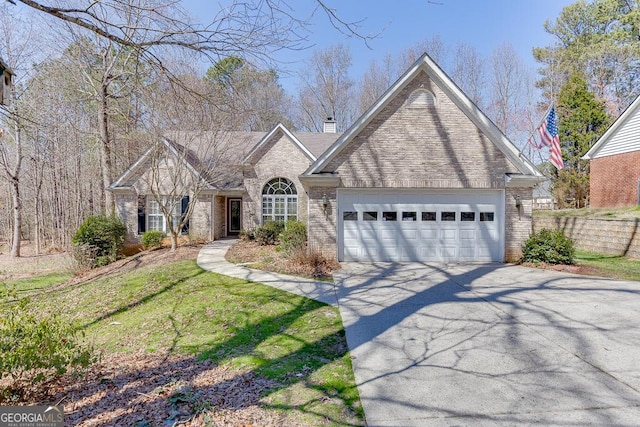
(518, 200)
(325, 203)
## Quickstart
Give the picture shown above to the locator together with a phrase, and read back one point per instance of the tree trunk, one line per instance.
(17, 217)
(174, 241)
(105, 151)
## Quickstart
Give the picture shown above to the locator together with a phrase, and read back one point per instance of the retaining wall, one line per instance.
(605, 236)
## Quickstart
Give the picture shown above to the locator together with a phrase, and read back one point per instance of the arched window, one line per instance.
(421, 98)
(279, 200)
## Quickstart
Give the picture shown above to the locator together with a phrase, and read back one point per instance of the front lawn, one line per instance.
(614, 266)
(180, 341)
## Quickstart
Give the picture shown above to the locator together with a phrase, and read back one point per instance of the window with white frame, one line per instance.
(155, 217)
(279, 200)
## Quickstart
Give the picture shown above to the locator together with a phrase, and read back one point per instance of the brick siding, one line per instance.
(322, 225)
(517, 222)
(614, 180)
(281, 158)
(433, 147)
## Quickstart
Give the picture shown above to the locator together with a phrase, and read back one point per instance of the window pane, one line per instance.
(370, 216)
(467, 216)
(486, 216)
(389, 216)
(278, 206)
(155, 219)
(279, 186)
(292, 207)
(409, 216)
(448, 216)
(267, 205)
(152, 207)
(350, 216)
(428, 216)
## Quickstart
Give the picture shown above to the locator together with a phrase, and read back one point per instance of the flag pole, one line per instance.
(544, 117)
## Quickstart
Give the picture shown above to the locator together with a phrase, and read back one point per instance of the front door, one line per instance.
(234, 216)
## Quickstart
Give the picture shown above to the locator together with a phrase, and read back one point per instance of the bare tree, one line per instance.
(241, 27)
(107, 71)
(468, 71)
(435, 47)
(253, 98)
(327, 89)
(377, 79)
(16, 49)
(182, 164)
(507, 89)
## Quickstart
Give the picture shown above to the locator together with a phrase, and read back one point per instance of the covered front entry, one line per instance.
(420, 225)
(234, 216)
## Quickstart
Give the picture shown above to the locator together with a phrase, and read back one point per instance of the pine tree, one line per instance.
(582, 120)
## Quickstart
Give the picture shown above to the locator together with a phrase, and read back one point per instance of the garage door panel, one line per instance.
(458, 226)
(428, 253)
(468, 234)
(388, 234)
(448, 252)
(448, 234)
(411, 235)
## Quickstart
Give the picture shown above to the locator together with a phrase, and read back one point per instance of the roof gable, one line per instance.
(621, 137)
(258, 151)
(136, 169)
(202, 153)
(454, 93)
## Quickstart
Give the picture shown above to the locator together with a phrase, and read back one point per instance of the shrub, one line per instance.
(322, 266)
(152, 239)
(36, 347)
(550, 246)
(294, 236)
(247, 235)
(98, 240)
(269, 233)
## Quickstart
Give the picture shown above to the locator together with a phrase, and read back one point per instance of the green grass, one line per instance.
(615, 266)
(31, 284)
(295, 341)
(622, 212)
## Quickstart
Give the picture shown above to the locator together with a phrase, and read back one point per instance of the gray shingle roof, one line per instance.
(208, 151)
(317, 143)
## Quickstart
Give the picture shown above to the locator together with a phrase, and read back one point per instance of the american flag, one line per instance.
(548, 132)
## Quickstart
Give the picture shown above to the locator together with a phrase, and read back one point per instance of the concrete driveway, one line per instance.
(491, 344)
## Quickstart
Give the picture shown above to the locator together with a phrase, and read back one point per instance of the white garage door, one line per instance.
(455, 226)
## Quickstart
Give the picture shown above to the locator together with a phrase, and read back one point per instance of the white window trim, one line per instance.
(289, 195)
(177, 207)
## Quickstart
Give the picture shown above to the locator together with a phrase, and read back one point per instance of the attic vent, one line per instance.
(421, 98)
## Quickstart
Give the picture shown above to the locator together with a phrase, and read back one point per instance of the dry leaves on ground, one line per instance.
(268, 258)
(158, 389)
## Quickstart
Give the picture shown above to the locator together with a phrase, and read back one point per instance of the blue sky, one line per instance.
(484, 24)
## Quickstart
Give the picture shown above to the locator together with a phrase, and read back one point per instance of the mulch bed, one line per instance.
(269, 258)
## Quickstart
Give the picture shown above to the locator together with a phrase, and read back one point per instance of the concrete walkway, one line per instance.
(480, 344)
(211, 257)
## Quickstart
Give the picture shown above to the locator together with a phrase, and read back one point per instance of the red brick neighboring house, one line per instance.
(615, 162)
